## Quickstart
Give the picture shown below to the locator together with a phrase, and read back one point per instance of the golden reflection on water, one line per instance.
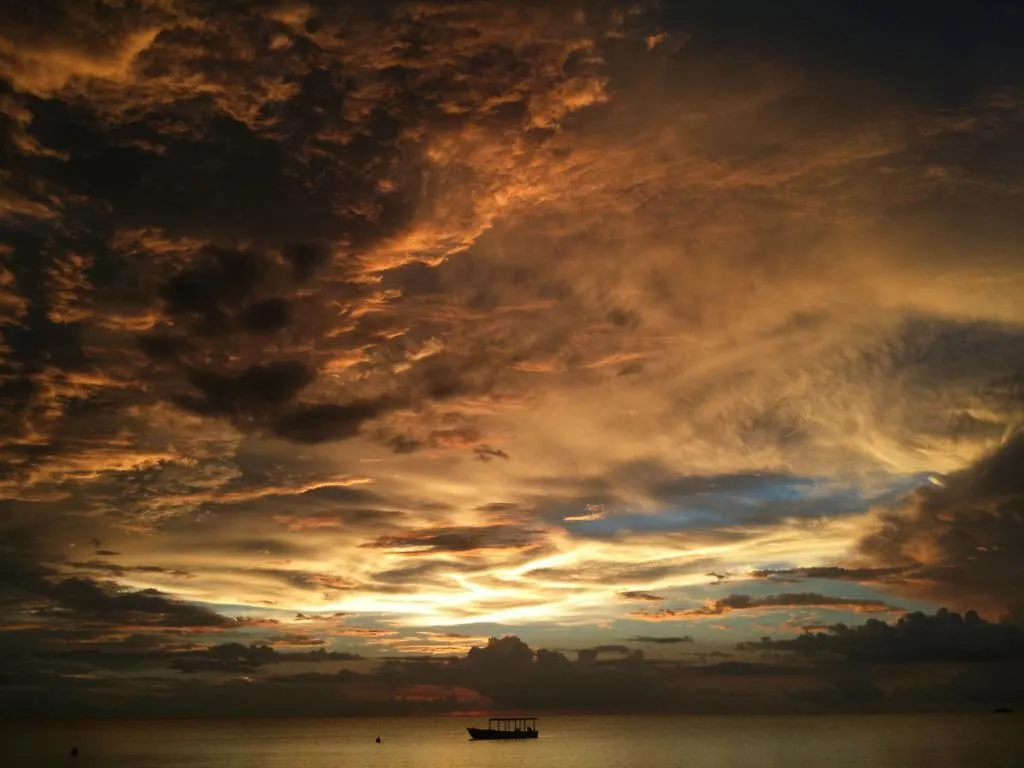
(826, 741)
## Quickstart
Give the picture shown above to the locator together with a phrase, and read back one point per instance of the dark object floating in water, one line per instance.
(378, 739)
(506, 728)
(74, 751)
(1002, 710)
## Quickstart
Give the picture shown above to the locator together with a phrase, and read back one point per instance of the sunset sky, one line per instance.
(340, 337)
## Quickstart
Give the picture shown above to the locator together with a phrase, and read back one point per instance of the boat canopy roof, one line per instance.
(512, 723)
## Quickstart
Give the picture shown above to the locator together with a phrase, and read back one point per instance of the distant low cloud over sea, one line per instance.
(933, 663)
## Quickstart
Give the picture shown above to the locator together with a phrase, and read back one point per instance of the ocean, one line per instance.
(823, 741)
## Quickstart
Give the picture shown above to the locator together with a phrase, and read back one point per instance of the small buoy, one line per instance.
(74, 751)
(378, 739)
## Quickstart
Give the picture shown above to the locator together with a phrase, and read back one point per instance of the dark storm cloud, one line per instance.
(146, 131)
(267, 316)
(33, 593)
(230, 291)
(227, 292)
(307, 259)
(941, 60)
(962, 541)
(264, 395)
(324, 422)
(204, 162)
(258, 388)
(215, 287)
(916, 637)
(86, 599)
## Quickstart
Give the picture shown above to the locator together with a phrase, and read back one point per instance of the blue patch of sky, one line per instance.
(749, 500)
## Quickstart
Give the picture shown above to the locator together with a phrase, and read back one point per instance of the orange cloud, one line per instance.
(308, 523)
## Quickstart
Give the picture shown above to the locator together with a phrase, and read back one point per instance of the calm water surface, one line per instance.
(878, 741)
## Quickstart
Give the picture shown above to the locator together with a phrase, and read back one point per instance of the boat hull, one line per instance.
(488, 734)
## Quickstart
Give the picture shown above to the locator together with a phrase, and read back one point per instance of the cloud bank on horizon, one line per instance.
(365, 331)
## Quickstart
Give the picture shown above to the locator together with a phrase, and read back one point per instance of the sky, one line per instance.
(388, 357)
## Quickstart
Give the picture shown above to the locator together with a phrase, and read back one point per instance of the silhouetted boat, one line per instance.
(506, 728)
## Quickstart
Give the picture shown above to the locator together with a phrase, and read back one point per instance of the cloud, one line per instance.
(735, 602)
(113, 569)
(215, 287)
(488, 453)
(669, 640)
(327, 422)
(507, 673)
(457, 540)
(498, 315)
(66, 48)
(914, 638)
(81, 598)
(235, 657)
(53, 608)
(295, 523)
(613, 649)
(260, 386)
(960, 541)
(594, 512)
(846, 43)
(163, 65)
(633, 594)
(834, 573)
